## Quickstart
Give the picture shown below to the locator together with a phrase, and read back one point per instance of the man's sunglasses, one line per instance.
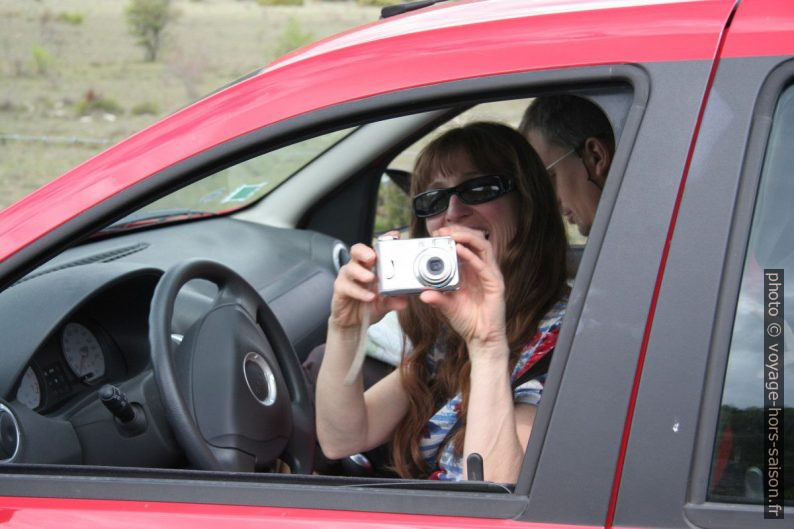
(475, 191)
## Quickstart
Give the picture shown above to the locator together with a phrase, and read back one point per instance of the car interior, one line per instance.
(252, 246)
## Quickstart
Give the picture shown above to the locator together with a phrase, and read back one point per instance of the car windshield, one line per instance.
(232, 188)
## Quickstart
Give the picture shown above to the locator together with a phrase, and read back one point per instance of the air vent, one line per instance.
(103, 257)
(9, 434)
(341, 255)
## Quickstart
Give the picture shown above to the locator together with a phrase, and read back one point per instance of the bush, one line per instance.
(147, 20)
(93, 103)
(42, 59)
(7, 105)
(73, 19)
(292, 37)
(146, 107)
(280, 2)
(393, 208)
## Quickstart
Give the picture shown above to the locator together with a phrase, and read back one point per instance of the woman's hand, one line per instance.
(353, 288)
(476, 310)
(347, 422)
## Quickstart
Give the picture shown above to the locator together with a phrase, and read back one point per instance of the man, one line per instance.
(574, 139)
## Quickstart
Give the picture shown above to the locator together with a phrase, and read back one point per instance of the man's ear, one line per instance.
(598, 156)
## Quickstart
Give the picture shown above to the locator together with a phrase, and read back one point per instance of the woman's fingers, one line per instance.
(475, 254)
(359, 269)
(476, 242)
(351, 287)
(362, 253)
(355, 285)
(355, 291)
(354, 271)
(390, 303)
(472, 239)
(436, 299)
(470, 259)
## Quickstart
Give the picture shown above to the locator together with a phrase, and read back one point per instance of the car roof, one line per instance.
(585, 19)
(442, 43)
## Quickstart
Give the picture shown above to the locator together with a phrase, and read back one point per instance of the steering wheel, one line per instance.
(233, 390)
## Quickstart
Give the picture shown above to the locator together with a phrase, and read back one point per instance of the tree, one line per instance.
(147, 20)
(393, 208)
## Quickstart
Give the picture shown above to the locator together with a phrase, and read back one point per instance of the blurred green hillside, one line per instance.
(73, 80)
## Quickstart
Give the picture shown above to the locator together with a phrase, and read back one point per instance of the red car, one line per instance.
(658, 409)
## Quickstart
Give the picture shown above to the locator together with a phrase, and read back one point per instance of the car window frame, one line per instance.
(698, 509)
(293, 491)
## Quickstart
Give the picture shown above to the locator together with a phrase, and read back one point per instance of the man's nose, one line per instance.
(457, 209)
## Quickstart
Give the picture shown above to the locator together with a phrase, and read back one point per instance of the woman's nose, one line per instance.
(456, 209)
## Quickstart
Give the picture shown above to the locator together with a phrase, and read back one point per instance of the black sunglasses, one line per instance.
(475, 191)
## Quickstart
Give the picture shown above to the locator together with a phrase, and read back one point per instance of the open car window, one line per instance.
(295, 211)
(393, 200)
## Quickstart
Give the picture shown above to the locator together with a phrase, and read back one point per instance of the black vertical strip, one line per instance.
(773, 393)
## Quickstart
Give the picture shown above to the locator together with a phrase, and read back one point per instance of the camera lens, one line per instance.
(434, 268)
(435, 265)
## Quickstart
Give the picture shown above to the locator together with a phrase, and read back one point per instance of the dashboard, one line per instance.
(81, 321)
(102, 342)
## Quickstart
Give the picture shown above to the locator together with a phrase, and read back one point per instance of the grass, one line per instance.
(51, 62)
(72, 80)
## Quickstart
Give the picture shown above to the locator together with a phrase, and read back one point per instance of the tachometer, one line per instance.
(29, 392)
(82, 352)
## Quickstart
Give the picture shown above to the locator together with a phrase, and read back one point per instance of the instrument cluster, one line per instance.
(80, 356)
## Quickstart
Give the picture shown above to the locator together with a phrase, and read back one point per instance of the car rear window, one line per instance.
(753, 460)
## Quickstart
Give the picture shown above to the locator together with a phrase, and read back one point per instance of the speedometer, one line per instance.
(82, 352)
(29, 392)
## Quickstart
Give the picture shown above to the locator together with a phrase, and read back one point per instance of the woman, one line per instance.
(484, 186)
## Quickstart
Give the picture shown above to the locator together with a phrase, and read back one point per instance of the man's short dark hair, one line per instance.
(567, 121)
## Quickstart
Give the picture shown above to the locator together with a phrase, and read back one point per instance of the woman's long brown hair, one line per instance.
(533, 267)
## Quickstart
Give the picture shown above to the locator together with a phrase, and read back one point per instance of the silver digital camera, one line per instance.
(412, 265)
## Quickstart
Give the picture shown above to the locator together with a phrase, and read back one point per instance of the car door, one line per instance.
(569, 474)
(697, 443)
